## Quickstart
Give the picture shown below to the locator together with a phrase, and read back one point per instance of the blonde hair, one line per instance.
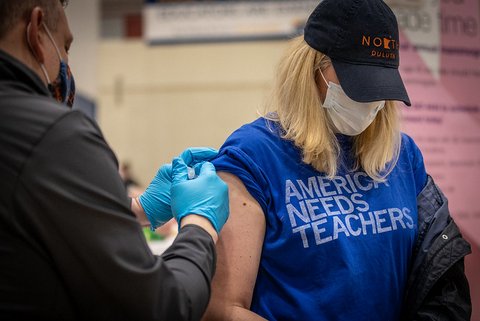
(295, 104)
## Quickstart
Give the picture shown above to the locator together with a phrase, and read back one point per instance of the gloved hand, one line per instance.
(194, 155)
(156, 198)
(206, 195)
(155, 201)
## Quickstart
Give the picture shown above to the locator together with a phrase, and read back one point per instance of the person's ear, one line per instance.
(34, 36)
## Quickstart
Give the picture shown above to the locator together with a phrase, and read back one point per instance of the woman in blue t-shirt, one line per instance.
(323, 188)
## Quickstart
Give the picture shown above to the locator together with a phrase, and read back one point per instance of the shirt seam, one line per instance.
(28, 158)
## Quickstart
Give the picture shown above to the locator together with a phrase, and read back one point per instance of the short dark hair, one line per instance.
(11, 11)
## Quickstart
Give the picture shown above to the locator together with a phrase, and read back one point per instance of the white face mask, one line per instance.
(348, 116)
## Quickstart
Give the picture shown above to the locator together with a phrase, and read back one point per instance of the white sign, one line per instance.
(225, 21)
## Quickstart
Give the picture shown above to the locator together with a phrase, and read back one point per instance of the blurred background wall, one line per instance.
(156, 101)
(84, 18)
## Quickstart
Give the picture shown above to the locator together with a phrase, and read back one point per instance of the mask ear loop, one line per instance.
(325, 80)
(42, 66)
(52, 40)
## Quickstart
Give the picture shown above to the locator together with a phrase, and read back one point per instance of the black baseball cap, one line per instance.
(362, 40)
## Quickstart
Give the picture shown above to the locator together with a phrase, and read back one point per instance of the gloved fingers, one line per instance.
(166, 171)
(197, 168)
(207, 169)
(194, 155)
(179, 170)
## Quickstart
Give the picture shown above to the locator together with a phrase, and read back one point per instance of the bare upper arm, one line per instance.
(239, 249)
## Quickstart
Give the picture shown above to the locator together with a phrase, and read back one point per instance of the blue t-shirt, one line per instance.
(334, 249)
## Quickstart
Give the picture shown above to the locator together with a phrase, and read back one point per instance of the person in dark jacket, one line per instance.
(71, 247)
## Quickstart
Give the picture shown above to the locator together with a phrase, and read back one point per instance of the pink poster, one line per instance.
(440, 65)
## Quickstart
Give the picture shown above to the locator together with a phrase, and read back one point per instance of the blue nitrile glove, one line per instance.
(155, 200)
(194, 155)
(206, 195)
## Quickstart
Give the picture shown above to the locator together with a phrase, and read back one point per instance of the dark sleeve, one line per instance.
(449, 299)
(73, 202)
